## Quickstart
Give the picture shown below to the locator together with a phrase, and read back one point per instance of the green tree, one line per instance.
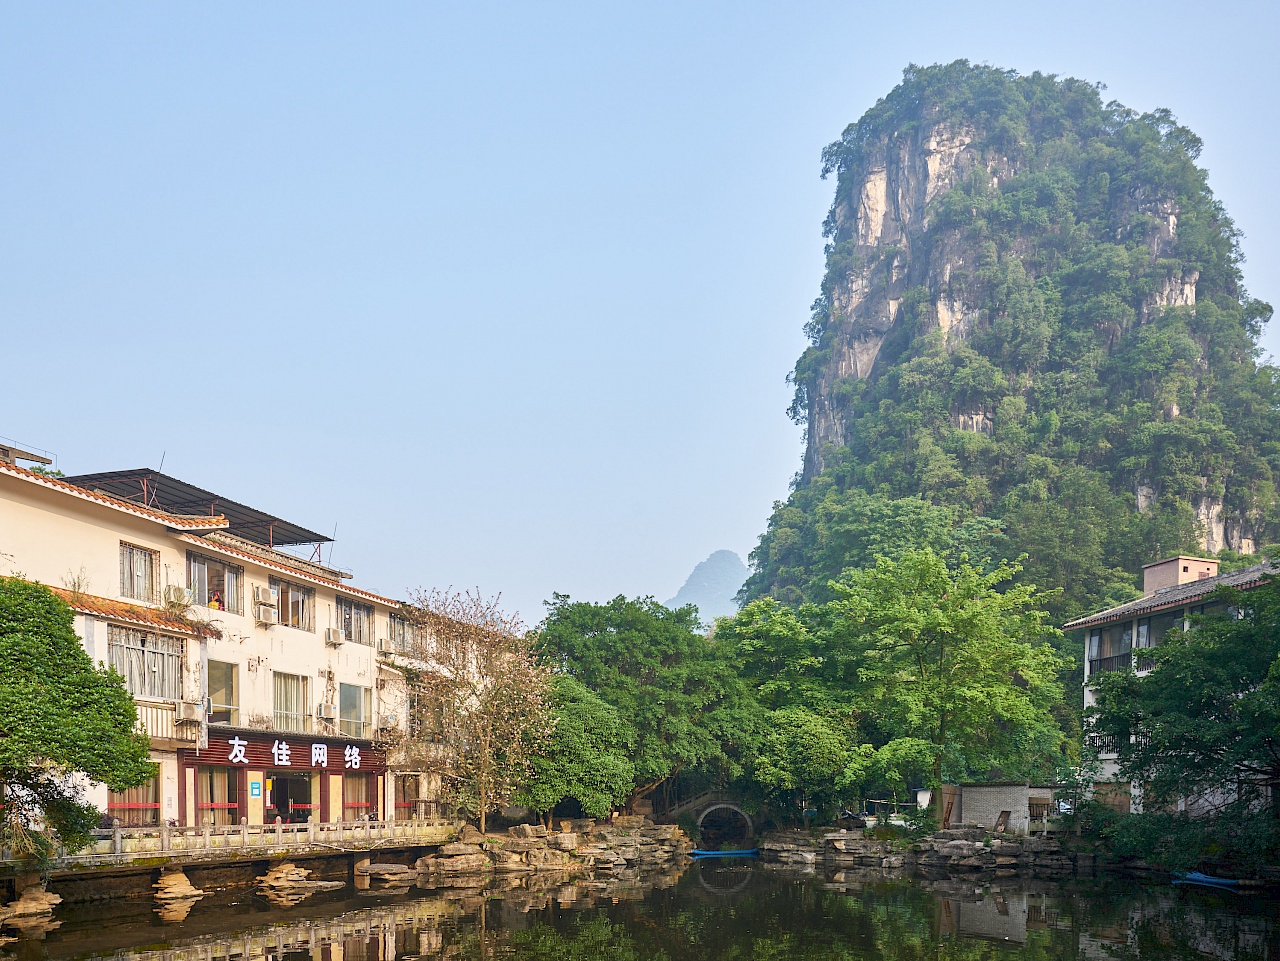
(586, 756)
(1202, 731)
(802, 759)
(950, 659)
(680, 697)
(61, 719)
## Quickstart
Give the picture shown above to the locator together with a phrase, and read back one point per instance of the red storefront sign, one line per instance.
(230, 748)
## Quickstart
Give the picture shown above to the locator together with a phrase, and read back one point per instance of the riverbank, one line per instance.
(961, 852)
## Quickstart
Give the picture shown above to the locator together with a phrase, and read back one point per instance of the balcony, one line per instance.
(1105, 744)
(1117, 662)
(159, 721)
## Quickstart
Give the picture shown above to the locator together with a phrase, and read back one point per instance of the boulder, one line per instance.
(454, 848)
(463, 864)
(565, 841)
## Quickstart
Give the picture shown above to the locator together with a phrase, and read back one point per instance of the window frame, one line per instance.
(128, 575)
(356, 726)
(282, 720)
(232, 710)
(229, 597)
(286, 588)
(345, 611)
(153, 645)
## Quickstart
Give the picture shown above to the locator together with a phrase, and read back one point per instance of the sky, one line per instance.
(503, 294)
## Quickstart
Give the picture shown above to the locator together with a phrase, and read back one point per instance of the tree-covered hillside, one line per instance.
(1032, 337)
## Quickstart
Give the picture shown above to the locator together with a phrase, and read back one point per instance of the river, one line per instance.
(735, 911)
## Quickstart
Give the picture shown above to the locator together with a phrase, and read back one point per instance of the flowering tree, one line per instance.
(475, 684)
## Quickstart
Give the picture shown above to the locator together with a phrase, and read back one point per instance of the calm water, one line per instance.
(738, 911)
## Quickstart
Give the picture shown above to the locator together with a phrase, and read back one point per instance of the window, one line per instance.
(355, 621)
(356, 804)
(426, 717)
(150, 663)
(1109, 647)
(297, 605)
(224, 703)
(139, 573)
(355, 710)
(404, 636)
(407, 806)
(138, 807)
(215, 585)
(291, 712)
(217, 795)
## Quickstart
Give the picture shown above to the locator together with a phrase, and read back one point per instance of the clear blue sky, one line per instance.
(507, 293)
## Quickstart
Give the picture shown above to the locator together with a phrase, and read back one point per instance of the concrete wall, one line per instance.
(984, 802)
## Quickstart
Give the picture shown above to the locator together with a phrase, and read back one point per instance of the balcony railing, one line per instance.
(1104, 744)
(1117, 662)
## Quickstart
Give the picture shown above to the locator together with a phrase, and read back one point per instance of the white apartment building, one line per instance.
(1120, 638)
(263, 679)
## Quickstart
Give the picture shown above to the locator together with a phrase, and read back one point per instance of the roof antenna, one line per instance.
(331, 540)
(160, 469)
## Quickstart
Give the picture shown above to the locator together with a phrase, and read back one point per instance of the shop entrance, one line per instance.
(288, 797)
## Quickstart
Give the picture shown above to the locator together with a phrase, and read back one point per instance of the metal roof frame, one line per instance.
(150, 488)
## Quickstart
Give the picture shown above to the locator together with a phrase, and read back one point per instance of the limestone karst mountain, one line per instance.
(1034, 316)
(712, 585)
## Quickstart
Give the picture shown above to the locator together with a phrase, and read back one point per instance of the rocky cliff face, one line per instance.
(949, 235)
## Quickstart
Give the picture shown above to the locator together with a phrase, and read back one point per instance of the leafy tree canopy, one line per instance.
(586, 757)
(681, 699)
(60, 717)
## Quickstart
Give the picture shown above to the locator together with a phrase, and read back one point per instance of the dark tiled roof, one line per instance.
(1176, 596)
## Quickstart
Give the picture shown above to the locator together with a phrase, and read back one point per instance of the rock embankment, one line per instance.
(607, 847)
(955, 852)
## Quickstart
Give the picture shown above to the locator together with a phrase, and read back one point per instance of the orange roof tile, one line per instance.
(185, 522)
(284, 567)
(121, 611)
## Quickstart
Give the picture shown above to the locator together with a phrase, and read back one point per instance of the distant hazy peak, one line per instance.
(712, 586)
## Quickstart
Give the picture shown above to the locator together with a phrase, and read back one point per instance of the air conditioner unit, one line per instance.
(189, 710)
(333, 636)
(266, 596)
(266, 615)
(326, 712)
(386, 646)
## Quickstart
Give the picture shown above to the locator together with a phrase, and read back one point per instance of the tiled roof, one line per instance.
(286, 566)
(120, 611)
(180, 522)
(1176, 596)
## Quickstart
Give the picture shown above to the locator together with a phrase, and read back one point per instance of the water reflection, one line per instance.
(732, 911)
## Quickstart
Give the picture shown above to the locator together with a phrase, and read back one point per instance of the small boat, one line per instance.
(727, 854)
(1208, 880)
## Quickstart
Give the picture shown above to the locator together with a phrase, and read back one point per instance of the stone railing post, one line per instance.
(311, 829)
(164, 837)
(244, 832)
(117, 843)
(368, 830)
(279, 830)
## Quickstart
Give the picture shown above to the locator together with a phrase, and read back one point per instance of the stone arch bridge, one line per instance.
(701, 805)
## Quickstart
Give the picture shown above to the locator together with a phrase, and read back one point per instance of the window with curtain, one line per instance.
(297, 605)
(139, 573)
(403, 634)
(407, 787)
(217, 795)
(215, 584)
(138, 807)
(355, 710)
(355, 620)
(224, 702)
(150, 663)
(291, 704)
(356, 804)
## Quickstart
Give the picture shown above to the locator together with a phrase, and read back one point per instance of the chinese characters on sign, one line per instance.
(282, 754)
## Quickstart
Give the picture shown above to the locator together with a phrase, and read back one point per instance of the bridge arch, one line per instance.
(726, 805)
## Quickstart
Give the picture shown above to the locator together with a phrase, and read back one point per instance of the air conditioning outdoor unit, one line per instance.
(189, 710)
(266, 596)
(326, 712)
(385, 646)
(266, 615)
(333, 636)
